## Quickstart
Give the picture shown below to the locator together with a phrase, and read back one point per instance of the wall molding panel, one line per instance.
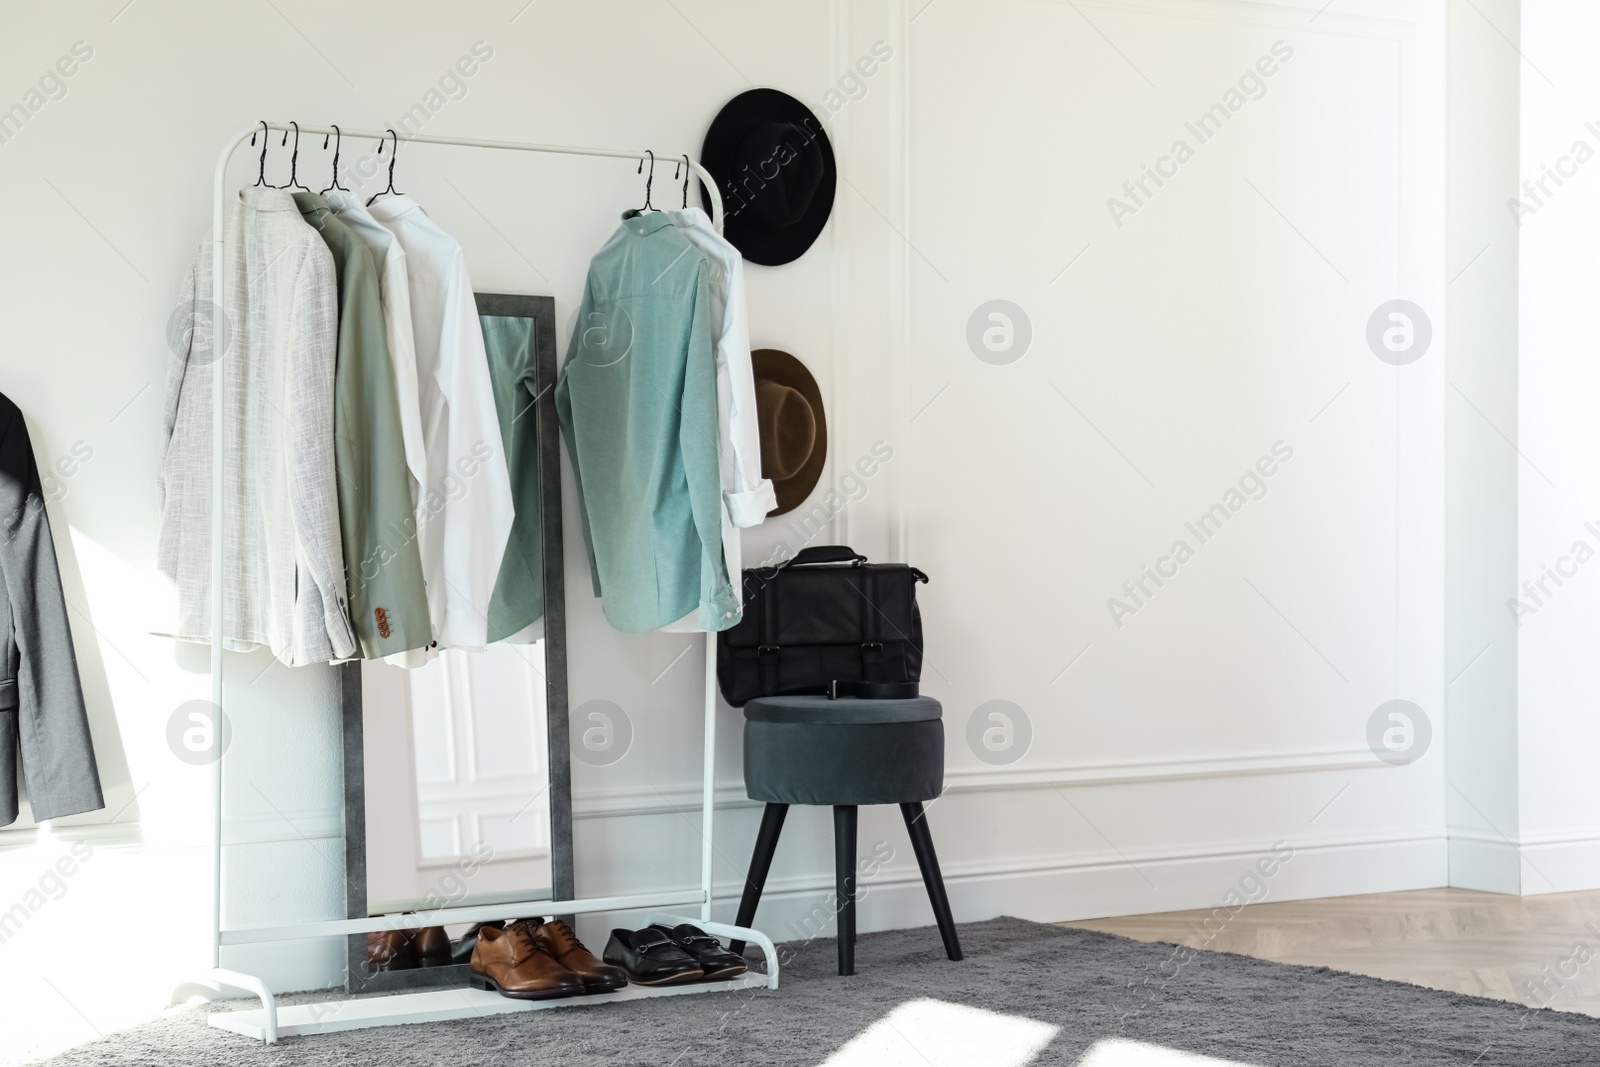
(623, 801)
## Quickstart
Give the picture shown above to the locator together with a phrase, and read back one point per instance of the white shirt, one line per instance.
(746, 496)
(283, 573)
(394, 288)
(464, 515)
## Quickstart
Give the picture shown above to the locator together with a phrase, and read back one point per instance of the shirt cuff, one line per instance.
(750, 508)
(719, 609)
(716, 616)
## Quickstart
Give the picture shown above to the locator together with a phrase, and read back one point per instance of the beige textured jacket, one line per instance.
(283, 569)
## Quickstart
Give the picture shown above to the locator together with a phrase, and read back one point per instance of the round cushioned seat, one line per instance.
(812, 750)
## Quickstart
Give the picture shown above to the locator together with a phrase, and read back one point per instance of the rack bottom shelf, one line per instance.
(437, 1005)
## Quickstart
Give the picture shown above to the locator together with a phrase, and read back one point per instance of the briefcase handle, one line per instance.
(834, 554)
(825, 554)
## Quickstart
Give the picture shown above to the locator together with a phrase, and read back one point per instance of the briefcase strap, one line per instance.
(767, 653)
(872, 690)
(871, 650)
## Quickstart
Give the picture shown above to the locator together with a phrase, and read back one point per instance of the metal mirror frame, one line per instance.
(358, 978)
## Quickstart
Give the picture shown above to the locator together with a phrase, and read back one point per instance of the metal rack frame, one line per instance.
(268, 1022)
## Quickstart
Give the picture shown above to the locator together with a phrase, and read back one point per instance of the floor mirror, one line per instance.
(457, 780)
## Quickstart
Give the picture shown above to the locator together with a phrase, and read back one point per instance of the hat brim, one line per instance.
(759, 244)
(774, 365)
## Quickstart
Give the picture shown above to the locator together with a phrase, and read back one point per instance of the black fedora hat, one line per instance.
(775, 170)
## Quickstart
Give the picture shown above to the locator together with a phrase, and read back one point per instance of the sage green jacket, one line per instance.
(383, 568)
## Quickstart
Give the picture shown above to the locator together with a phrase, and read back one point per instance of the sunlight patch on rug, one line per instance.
(1115, 1052)
(921, 1033)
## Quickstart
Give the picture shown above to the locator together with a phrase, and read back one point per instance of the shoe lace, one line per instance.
(561, 936)
(523, 931)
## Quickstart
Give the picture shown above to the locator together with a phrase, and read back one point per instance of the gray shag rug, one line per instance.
(1025, 994)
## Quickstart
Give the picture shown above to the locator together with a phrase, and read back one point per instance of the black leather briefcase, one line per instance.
(825, 622)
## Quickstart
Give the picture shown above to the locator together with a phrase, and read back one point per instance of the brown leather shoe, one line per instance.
(461, 952)
(391, 950)
(557, 938)
(512, 964)
(433, 946)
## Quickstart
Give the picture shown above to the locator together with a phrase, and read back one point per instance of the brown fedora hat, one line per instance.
(794, 428)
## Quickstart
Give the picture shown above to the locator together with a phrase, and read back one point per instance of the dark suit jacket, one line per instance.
(41, 700)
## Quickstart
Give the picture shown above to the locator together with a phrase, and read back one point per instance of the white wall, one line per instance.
(1522, 812)
(1558, 733)
(1169, 353)
(1227, 314)
(1483, 467)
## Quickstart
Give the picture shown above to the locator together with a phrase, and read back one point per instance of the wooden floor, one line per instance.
(1540, 951)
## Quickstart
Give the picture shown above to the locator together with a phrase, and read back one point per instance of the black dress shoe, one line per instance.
(651, 957)
(717, 962)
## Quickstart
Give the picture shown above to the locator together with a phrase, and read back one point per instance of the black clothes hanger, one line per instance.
(648, 181)
(392, 150)
(294, 160)
(687, 173)
(261, 181)
(337, 144)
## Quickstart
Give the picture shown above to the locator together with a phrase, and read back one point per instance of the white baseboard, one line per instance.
(1532, 865)
(1088, 886)
(1561, 862)
(1484, 861)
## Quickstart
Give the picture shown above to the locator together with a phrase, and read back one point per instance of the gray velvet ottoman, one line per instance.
(844, 753)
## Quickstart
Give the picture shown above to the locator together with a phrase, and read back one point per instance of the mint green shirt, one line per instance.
(383, 568)
(518, 597)
(637, 400)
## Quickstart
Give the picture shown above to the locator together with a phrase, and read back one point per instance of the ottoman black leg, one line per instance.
(760, 864)
(844, 875)
(922, 845)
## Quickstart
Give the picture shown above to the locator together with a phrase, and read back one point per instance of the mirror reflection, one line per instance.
(457, 780)
(455, 761)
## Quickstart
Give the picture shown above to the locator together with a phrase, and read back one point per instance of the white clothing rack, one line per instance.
(268, 1022)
